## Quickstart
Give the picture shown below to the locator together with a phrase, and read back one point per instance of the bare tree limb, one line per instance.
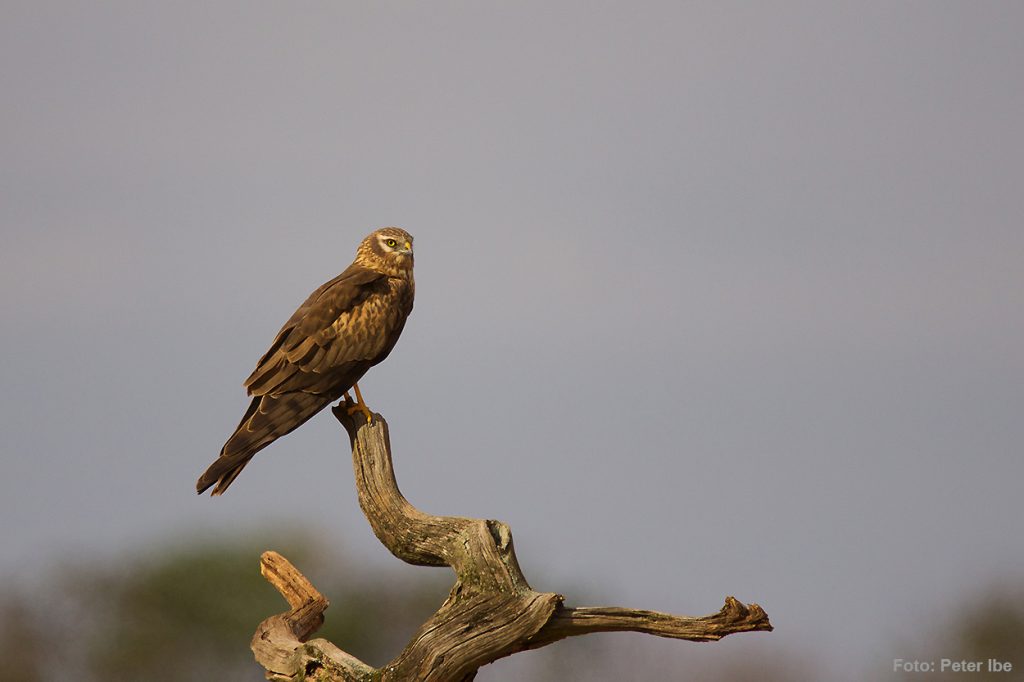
(279, 640)
(732, 618)
(490, 613)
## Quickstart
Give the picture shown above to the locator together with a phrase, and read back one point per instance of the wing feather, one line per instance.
(308, 341)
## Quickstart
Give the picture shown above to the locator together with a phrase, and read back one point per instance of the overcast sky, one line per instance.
(713, 298)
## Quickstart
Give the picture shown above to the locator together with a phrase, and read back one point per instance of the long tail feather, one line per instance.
(267, 419)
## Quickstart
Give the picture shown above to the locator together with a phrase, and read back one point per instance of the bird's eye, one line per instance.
(391, 243)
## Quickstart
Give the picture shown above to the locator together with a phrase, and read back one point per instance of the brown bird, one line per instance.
(343, 329)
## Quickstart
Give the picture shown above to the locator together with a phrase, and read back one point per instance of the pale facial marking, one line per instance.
(392, 243)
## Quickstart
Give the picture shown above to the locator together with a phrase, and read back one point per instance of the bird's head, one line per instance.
(387, 250)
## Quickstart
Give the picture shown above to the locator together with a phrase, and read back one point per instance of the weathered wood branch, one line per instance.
(278, 642)
(732, 618)
(491, 612)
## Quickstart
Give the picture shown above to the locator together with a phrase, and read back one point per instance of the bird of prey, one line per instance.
(343, 329)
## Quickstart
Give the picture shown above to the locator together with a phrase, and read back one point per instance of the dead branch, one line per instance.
(491, 612)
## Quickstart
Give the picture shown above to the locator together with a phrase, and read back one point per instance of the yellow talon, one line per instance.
(360, 406)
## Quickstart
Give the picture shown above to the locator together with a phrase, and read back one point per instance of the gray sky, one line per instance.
(713, 298)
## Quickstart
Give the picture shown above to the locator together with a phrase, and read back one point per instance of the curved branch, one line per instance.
(279, 640)
(411, 535)
(491, 611)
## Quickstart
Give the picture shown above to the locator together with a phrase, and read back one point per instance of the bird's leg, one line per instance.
(360, 406)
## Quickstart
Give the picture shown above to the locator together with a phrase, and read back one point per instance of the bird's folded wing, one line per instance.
(326, 332)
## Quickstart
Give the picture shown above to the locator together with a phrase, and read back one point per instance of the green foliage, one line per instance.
(988, 625)
(994, 628)
(187, 610)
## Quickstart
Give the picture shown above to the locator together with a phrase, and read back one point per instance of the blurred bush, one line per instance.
(187, 612)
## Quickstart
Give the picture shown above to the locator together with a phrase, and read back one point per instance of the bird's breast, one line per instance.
(370, 325)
